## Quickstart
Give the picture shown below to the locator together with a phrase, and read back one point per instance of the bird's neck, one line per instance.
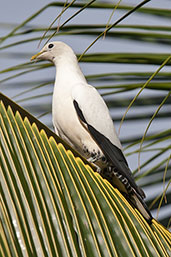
(68, 72)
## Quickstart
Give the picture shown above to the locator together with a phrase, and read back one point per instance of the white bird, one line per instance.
(81, 117)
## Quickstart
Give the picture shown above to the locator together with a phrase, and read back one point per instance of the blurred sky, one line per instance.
(16, 11)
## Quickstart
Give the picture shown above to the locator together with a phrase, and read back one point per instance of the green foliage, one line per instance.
(118, 89)
(55, 205)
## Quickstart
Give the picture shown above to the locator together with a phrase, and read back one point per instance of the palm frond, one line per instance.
(125, 60)
(58, 204)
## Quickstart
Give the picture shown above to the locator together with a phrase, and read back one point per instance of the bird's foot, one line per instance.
(92, 159)
(98, 169)
(95, 157)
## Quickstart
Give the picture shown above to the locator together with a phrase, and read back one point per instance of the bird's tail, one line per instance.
(134, 195)
(140, 205)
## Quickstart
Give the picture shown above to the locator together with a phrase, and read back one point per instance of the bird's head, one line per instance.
(52, 51)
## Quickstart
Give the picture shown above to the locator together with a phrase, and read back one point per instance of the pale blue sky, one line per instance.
(17, 10)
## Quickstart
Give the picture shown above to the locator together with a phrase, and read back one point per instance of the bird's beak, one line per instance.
(34, 57)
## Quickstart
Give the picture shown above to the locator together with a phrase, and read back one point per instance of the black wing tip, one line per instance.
(79, 112)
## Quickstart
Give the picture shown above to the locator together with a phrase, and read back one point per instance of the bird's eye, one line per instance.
(50, 45)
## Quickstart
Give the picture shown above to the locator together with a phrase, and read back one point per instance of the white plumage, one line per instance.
(81, 117)
(70, 84)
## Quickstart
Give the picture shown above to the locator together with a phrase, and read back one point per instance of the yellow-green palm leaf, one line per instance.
(54, 204)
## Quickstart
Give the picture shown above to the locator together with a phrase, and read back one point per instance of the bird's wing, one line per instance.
(95, 111)
(112, 152)
(88, 114)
